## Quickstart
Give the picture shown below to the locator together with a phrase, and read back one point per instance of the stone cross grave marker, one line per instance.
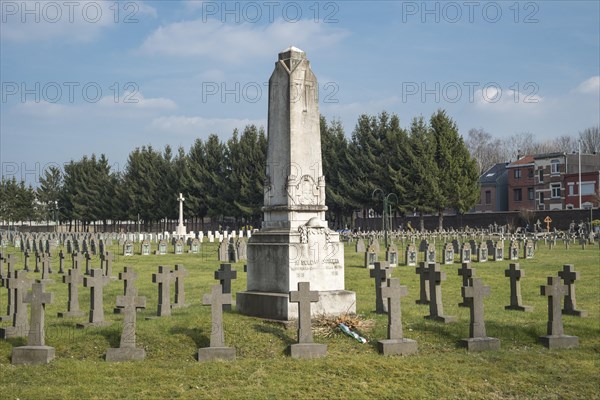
(515, 273)
(466, 272)
(106, 261)
(36, 351)
(217, 350)
(61, 262)
(179, 274)
(411, 255)
(96, 282)
(569, 276)
(130, 302)
(20, 284)
(381, 273)
(436, 307)
(163, 277)
(395, 344)
(305, 348)
(10, 273)
(88, 258)
(555, 338)
(26, 261)
(37, 262)
(421, 270)
(46, 270)
(478, 340)
(225, 274)
(73, 279)
(129, 277)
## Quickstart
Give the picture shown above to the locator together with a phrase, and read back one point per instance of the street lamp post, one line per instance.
(386, 216)
(579, 189)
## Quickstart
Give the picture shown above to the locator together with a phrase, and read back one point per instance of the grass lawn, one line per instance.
(522, 369)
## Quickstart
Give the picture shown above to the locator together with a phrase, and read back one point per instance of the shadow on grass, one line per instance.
(196, 334)
(112, 334)
(277, 331)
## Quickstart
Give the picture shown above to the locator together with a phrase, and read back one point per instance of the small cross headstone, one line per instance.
(179, 273)
(436, 307)
(106, 261)
(217, 350)
(381, 273)
(61, 262)
(225, 274)
(555, 338)
(130, 302)
(569, 276)
(73, 279)
(36, 351)
(466, 272)
(163, 277)
(395, 344)
(20, 284)
(96, 282)
(88, 259)
(46, 270)
(129, 277)
(26, 261)
(37, 262)
(422, 271)
(305, 348)
(9, 273)
(515, 273)
(478, 339)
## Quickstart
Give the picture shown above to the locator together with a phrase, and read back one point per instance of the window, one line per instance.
(587, 189)
(571, 190)
(555, 167)
(541, 175)
(555, 189)
(530, 172)
(488, 197)
(517, 174)
(530, 194)
(518, 195)
(541, 197)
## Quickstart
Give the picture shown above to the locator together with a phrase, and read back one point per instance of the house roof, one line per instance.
(493, 173)
(526, 160)
(549, 155)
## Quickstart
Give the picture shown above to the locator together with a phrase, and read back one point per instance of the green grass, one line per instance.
(522, 369)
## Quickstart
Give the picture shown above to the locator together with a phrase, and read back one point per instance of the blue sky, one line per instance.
(87, 77)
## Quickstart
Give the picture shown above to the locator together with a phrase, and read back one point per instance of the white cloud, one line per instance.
(591, 85)
(77, 21)
(235, 43)
(137, 100)
(504, 100)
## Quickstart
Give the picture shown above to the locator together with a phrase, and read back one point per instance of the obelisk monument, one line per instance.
(295, 243)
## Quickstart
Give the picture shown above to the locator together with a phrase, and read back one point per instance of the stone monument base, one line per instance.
(173, 306)
(307, 350)
(125, 354)
(216, 353)
(577, 313)
(11, 332)
(446, 319)
(31, 355)
(393, 347)
(519, 308)
(101, 324)
(480, 344)
(68, 314)
(277, 306)
(559, 342)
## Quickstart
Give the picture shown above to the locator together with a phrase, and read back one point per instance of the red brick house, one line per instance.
(521, 184)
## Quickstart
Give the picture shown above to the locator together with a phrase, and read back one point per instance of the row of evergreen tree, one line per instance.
(426, 166)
